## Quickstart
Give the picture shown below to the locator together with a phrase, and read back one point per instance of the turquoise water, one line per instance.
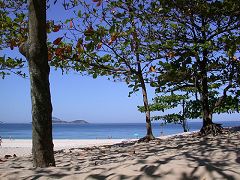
(100, 131)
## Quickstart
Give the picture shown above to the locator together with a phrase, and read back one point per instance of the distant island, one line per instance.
(59, 121)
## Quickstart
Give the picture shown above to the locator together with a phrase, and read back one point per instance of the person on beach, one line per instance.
(0, 141)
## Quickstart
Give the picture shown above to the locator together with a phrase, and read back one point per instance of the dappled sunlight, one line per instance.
(177, 157)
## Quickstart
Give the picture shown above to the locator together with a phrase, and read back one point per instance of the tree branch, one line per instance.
(221, 99)
(23, 49)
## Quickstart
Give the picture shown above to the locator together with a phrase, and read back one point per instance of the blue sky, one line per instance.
(74, 96)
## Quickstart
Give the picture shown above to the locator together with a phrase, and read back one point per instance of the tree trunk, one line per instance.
(184, 125)
(184, 121)
(37, 52)
(149, 136)
(208, 126)
(207, 116)
(139, 73)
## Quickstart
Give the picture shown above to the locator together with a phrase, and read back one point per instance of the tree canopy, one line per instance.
(178, 47)
(202, 44)
(181, 45)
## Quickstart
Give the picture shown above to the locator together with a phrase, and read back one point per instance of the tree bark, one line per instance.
(184, 121)
(37, 52)
(184, 125)
(149, 136)
(207, 116)
(208, 126)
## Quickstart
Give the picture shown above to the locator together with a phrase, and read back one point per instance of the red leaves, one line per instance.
(89, 31)
(170, 54)
(71, 24)
(59, 51)
(57, 41)
(99, 2)
(50, 55)
(12, 44)
(79, 46)
(152, 69)
(56, 28)
(99, 45)
(113, 38)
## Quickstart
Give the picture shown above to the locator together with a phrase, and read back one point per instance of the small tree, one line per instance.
(165, 102)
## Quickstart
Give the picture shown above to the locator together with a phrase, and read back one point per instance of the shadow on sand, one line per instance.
(182, 157)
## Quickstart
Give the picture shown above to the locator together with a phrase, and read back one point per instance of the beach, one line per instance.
(182, 156)
(23, 147)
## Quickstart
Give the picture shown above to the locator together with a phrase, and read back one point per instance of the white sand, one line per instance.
(23, 147)
(181, 157)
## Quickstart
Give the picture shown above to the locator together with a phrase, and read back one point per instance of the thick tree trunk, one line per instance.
(207, 115)
(42, 145)
(149, 136)
(208, 126)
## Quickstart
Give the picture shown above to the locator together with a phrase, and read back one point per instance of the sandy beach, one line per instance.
(185, 156)
(23, 147)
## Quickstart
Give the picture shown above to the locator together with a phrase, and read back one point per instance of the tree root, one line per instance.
(211, 129)
(146, 138)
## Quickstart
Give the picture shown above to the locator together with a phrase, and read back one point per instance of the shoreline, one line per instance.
(23, 147)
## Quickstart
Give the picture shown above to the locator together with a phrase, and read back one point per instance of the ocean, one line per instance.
(101, 131)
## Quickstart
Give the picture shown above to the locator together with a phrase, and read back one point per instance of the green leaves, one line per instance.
(94, 76)
(199, 41)
(13, 32)
(9, 65)
(79, 14)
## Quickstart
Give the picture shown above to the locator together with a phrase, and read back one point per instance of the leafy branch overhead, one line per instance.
(187, 51)
(108, 38)
(176, 46)
(203, 44)
(13, 31)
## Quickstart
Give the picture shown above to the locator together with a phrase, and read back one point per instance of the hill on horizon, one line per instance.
(56, 120)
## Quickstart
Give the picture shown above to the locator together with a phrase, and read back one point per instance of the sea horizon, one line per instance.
(102, 130)
(142, 122)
